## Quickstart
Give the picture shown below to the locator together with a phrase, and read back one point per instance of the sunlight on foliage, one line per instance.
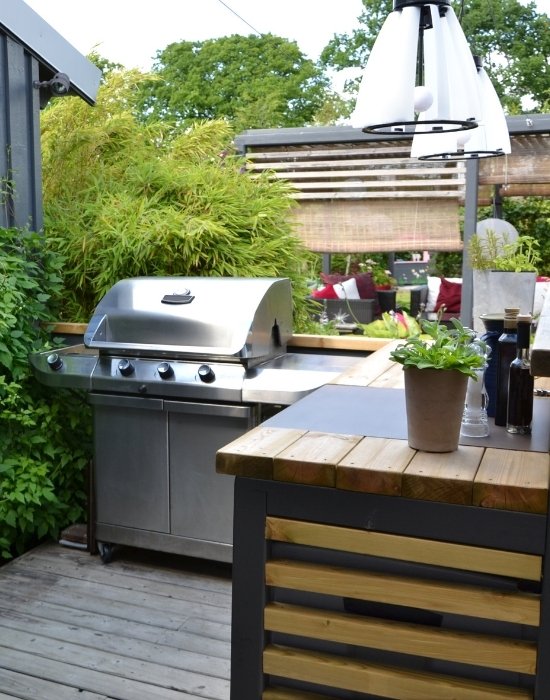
(123, 199)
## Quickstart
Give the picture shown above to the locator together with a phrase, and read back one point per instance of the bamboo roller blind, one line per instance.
(374, 197)
(523, 173)
(379, 225)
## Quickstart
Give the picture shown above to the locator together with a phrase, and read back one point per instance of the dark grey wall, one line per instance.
(20, 160)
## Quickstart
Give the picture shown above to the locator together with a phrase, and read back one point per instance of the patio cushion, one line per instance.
(364, 281)
(347, 289)
(326, 292)
(449, 296)
(434, 284)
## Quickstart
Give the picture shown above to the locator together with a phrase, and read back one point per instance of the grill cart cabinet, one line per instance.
(365, 569)
(154, 482)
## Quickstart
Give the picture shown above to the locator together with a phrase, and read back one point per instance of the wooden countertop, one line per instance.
(486, 476)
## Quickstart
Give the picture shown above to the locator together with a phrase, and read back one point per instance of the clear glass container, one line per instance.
(475, 422)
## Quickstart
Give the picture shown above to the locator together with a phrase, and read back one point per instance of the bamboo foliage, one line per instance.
(124, 199)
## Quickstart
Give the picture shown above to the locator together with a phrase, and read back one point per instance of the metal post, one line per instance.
(470, 225)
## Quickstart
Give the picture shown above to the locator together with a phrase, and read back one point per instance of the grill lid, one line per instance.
(244, 319)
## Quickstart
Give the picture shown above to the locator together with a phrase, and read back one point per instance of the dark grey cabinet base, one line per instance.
(298, 602)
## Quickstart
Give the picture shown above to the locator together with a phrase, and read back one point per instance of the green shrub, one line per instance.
(44, 435)
(124, 199)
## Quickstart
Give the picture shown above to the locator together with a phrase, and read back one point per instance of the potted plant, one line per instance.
(437, 366)
(384, 284)
(504, 273)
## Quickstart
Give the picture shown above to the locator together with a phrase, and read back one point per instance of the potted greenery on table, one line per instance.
(504, 273)
(437, 366)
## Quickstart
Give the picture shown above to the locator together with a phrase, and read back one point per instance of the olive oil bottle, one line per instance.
(521, 382)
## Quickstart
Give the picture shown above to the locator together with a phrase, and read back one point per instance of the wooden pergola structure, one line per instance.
(360, 192)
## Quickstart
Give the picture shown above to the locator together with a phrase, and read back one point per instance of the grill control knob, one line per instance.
(126, 368)
(206, 374)
(165, 370)
(54, 361)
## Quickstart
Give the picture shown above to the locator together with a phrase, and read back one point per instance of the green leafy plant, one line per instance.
(393, 324)
(380, 275)
(123, 199)
(497, 252)
(443, 348)
(44, 437)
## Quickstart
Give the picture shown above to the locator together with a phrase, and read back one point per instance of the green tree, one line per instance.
(254, 81)
(511, 37)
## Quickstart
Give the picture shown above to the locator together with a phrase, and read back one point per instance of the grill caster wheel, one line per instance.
(105, 551)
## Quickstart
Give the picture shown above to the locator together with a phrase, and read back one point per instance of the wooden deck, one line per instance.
(144, 627)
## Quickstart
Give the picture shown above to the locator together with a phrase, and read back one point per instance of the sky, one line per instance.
(130, 32)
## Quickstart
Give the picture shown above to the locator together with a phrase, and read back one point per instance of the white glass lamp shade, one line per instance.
(386, 91)
(493, 117)
(490, 139)
(389, 100)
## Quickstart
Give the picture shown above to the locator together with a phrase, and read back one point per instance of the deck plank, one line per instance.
(25, 687)
(144, 626)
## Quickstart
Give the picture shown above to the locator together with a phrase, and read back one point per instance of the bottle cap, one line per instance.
(524, 318)
(510, 318)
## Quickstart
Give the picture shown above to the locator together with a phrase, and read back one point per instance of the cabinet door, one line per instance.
(131, 462)
(201, 504)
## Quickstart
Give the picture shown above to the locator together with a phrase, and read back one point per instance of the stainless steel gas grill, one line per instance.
(176, 368)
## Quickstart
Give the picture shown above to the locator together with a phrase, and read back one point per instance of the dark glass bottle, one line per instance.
(506, 353)
(521, 383)
(494, 327)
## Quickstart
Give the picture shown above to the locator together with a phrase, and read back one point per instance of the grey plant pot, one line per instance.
(493, 291)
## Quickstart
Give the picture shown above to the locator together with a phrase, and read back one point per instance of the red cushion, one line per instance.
(326, 292)
(449, 296)
(334, 278)
(365, 285)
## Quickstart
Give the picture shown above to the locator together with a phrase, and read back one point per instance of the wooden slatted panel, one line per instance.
(440, 596)
(360, 676)
(351, 222)
(364, 194)
(529, 163)
(324, 167)
(411, 549)
(359, 199)
(405, 638)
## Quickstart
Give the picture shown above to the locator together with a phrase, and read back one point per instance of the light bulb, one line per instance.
(423, 98)
(462, 137)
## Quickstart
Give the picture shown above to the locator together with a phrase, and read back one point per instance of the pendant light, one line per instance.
(488, 140)
(420, 77)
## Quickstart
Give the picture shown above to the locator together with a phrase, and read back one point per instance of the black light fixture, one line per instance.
(58, 86)
(420, 77)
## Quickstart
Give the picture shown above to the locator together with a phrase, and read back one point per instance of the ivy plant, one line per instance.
(44, 435)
